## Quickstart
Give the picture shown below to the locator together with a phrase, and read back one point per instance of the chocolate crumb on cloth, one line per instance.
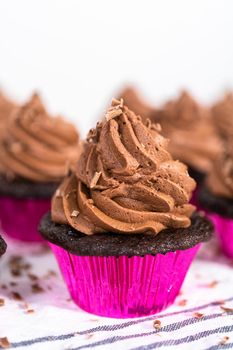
(4, 343)
(157, 324)
(18, 265)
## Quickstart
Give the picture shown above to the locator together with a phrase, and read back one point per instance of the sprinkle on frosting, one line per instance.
(115, 110)
(74, 213)
(36, 146)
(125, 181)
(189, 126)
(95, 179)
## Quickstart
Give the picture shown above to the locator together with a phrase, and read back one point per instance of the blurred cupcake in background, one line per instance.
(222, 113)
(192, 134)
(216, 197)
(35, 152)
(121, 227)
(136, 102)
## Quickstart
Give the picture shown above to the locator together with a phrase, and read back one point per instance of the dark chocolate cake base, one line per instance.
(219, 205)
(22, 188)
(113, 244)
(2, 246)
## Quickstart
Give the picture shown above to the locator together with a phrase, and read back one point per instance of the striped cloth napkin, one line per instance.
(36, 311)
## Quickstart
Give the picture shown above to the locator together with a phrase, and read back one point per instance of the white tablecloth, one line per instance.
(48, 319)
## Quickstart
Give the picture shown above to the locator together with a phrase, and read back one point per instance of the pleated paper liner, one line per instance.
(224, 231)
(124, 286)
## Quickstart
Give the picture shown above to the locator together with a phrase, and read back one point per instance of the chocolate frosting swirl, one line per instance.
(220, 179)
(36, 146)
(189, 126)
(125, 180)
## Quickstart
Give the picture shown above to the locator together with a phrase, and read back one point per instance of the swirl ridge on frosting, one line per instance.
(125, 180)
(36, 146)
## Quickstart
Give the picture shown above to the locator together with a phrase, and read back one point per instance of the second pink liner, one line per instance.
(19, 218)
(224, 230)
(124, 286)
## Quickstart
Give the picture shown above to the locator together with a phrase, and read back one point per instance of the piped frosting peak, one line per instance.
(36, 146)
(125, 180)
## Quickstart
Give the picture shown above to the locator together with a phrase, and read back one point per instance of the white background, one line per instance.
(79, 53)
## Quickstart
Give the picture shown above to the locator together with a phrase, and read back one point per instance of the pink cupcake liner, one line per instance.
(124, 286)
(19, 218)
(224, 231)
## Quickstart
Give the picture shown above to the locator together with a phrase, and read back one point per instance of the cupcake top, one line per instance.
(189, 126)
(125, 180)
(135, 102)
(220, 179)
(36, 146)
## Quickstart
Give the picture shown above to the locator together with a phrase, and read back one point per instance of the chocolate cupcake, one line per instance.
(35, 153)
(121, 226)
(2, 246)
(192, 134)
(216, 196)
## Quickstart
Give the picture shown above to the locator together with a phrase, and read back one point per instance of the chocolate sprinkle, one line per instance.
(157, 324)
(36, 288)
(17, 296)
